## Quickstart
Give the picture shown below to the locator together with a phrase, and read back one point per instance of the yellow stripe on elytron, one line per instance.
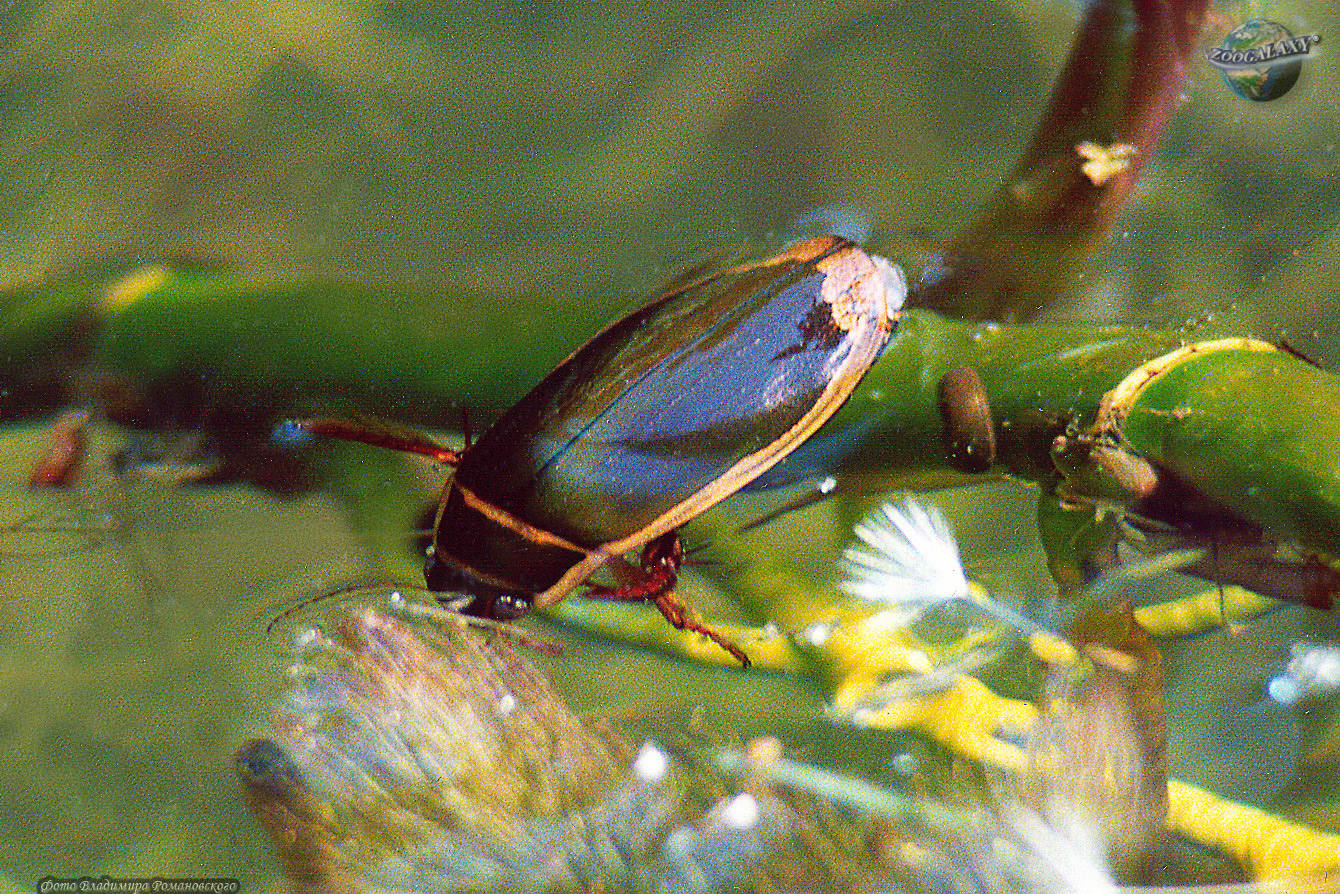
(507, 520)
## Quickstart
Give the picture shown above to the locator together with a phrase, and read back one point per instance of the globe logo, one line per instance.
(1261, 59)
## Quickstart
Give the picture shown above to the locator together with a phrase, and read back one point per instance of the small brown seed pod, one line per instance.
(969, 433)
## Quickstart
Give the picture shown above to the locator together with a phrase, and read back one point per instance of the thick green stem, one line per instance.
(1252, 427)
(1039, 381)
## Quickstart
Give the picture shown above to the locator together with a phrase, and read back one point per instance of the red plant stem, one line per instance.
(1121, 84)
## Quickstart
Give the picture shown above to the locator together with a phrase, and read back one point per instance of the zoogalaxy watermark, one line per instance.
(1282, 50)
(157, 885)
(1260, 60)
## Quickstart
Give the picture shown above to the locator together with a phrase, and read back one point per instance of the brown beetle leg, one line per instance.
(673, 611)
(377, 434)
(661, 559)
(66, 445)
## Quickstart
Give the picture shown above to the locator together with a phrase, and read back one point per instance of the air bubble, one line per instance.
(741, 812)
(651, 763)
(905, 764)
(1283, 690)
(818, 634)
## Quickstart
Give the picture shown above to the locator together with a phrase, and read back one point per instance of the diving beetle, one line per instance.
(657, 418)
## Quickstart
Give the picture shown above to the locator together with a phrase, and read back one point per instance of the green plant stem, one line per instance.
(1121, 84)
(1252, 429)
(1040, 380)
(1256, 429)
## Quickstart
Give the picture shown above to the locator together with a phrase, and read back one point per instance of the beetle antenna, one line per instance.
(437, 612)
(701, 563)
(308, 603)
(1230, 628)
(697, 563)
(292, 610)
(732, 569)
(821, 491)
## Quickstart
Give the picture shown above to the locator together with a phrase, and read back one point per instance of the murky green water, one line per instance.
(580, 151)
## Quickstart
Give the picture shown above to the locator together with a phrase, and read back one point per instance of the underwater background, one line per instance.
(580, 153)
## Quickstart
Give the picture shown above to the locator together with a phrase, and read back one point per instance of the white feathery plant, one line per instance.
(908, 563)
(911, 561)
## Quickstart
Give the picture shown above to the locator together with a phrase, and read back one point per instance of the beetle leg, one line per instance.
(661, 559)
(377, 434)
(673, 611)
(660, 562)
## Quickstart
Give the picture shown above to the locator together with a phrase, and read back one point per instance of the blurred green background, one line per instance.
(580, 152)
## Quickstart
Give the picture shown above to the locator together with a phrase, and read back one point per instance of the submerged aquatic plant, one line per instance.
(415, 753)
(941, 846)
(909, 561)
(413, 759)
(1093, 747)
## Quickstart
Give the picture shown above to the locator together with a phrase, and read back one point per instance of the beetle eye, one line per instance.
(462, 593)
(510, 606)
(494, 606)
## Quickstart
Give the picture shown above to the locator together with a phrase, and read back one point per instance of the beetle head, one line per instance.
(464, 593)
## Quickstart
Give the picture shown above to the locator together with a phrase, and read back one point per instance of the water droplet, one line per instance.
(1283, 690)
(818, 634)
